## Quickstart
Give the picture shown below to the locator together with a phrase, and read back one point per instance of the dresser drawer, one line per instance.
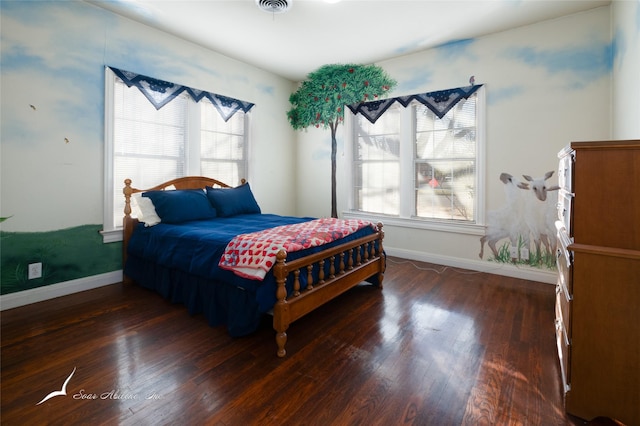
(564, 274)
(564, 260)
(565, 169)
(564, 352)
(565, 210)
(563, 309)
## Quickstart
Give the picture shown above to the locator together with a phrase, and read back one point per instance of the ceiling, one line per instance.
(315, 32)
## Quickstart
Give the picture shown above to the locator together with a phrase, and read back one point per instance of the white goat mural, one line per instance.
(527, 217)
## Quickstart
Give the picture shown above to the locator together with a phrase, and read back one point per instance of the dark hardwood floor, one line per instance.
(437, 346)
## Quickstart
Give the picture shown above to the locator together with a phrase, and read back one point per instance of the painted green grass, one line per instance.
(65, 254)
(537, 259)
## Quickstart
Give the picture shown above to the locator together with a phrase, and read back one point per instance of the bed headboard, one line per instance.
(188, 182)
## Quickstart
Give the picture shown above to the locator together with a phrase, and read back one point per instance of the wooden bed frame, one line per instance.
(288, 309)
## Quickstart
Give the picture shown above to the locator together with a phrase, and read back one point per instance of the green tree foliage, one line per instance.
(320, 101)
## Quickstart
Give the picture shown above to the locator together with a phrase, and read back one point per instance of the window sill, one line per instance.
(442, 226)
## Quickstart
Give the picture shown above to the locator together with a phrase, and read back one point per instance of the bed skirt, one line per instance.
(222, 304)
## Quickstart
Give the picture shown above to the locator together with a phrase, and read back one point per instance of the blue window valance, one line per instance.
(160, 93)
(439, 102)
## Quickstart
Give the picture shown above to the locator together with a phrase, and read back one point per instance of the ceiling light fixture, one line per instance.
(274, 6)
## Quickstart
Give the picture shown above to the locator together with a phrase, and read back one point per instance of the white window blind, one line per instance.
(377, 164)
(223, 148)
(445, 159)
(149, 145)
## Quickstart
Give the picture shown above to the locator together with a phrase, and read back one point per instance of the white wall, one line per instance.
(626, 84)
(547, 84)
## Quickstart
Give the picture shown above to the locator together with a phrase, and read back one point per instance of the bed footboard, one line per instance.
(357, 260)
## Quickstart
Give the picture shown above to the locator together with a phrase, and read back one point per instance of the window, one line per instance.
(151, 146)
(223, 147)
(421, 169)
(377, 164)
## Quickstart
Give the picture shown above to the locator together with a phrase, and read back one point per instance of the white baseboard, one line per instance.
(525, 273)
(39, 294)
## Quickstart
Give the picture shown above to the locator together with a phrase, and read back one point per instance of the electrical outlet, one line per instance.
(524, 253)
(35, 270)
(513, 251)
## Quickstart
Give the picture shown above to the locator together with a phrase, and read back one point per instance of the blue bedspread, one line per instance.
(181, 263)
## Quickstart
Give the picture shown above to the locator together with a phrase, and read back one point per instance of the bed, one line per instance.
(179, 256)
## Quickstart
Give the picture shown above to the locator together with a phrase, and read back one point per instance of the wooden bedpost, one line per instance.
(127, 191)
(127, 225)
(281, 318)
(383, 257)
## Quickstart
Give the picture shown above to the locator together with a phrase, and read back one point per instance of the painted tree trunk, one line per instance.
(334, 149)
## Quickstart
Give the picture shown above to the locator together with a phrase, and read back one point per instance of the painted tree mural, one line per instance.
(320, 101)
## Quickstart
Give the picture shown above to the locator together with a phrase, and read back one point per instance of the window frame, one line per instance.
(407, 164)
(111, 232)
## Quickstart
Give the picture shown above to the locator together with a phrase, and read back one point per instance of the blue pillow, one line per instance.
(233, 201)
(181, 205)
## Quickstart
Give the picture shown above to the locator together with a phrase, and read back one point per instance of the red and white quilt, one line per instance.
(253, 255)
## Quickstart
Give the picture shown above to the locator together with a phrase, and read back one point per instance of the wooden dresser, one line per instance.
(598, 290)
